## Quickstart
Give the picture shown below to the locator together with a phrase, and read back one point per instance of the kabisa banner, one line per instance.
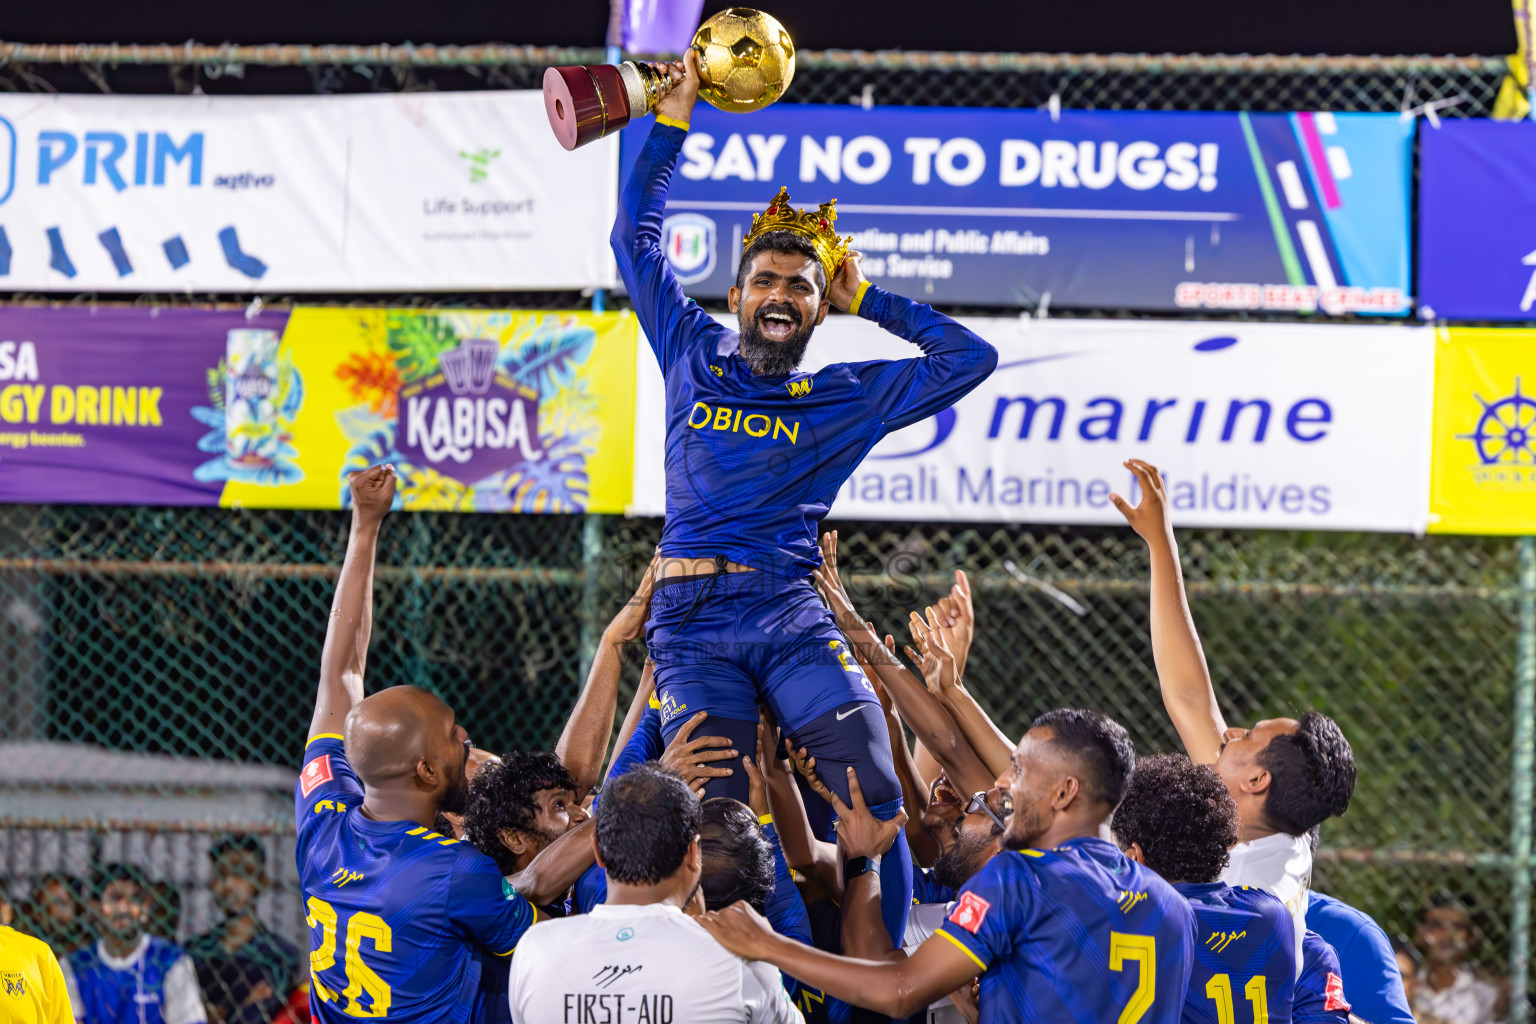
(409, 191)
(1477, 220)
(1483, 473)
(1157, 211)
(478, 410)
(1275, 426)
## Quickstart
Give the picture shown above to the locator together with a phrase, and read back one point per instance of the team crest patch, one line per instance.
(799, 388)
(1334, 993)
(969, 912)
(15, 984)
(316, 772)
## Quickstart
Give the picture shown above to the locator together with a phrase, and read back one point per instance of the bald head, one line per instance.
(407, 738)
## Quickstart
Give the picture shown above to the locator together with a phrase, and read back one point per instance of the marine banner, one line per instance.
(1091, 209)
(485, 411)
(1483, 470)
(1273, 426)
(383, 192)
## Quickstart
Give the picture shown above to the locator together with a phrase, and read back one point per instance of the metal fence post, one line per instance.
(1525, 739)
(592, 622)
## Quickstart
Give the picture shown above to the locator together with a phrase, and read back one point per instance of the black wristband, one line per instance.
(853, 867)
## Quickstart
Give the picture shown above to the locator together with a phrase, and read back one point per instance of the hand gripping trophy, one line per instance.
(746, 61)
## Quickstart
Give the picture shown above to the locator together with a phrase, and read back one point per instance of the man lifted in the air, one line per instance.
(756, 451)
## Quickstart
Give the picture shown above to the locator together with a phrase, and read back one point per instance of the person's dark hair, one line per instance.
(70, 883)
(1312, 774)
(501, 800)
(239, 844)
(1101, 746)
(104, 875)
(646, 820)
(1181, 815)
(738, 860)
(1444, 899)
(781, 241)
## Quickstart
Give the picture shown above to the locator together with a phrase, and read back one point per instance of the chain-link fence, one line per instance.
(157, 667)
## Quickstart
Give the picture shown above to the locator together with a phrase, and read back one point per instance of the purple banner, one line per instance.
(98, 406)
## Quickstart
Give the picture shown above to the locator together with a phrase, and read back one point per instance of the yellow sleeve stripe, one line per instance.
(671, 122)
(963, 948)
(655, 703)
(418, 830)
(508, 952)
(765, 819)
(1033, 853)
(858, 298)
(326, 736)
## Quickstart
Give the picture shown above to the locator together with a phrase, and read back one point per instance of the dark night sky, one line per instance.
(1105, 26)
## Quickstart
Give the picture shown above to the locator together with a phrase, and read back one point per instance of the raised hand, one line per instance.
(845, 284)
(740, 929)
(690, 758)
(933, 655)
(678, 104)
(957, 620)
(629, 624)
(860, 833)
(373, 492)
(1150, 516)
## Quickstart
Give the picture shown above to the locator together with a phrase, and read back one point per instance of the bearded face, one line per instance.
(774, 339)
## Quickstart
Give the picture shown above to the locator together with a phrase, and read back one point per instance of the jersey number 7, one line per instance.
(1143, 950)
(360, 977)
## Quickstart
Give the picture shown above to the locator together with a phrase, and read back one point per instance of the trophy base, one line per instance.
(585, 103)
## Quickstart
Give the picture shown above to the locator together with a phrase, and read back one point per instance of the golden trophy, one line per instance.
(745, 57)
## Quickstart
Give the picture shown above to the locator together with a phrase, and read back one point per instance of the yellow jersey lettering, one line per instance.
(723, 417)
(792, 432)
(696, 407)
(748, 425)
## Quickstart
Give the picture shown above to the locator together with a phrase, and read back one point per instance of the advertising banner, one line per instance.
(479, 411)
(1477, 220)
(1483, 471)
(388, 192)
(1272, 426)
(1156, 211)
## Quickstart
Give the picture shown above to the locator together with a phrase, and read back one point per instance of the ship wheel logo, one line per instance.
(1506, 431)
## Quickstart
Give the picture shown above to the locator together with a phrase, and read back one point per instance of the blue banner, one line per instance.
(1111, 210)
(1477, 220)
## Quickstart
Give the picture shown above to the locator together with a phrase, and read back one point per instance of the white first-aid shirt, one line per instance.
(1281, 864)
(922, 921)
(648, 964)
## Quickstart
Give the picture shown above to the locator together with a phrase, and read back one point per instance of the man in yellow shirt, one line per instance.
(31, 984)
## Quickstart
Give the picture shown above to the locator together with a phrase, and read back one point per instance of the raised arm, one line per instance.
(986, 739)
(670, 320)
(893, 989)
(556, 867)
(351, 622)
(1182, 674)
(954, 360)
(584, 742)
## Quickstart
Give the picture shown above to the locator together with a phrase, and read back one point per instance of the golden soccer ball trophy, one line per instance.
(746, 59)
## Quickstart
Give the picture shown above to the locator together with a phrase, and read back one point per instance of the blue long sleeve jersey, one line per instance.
(754, 463)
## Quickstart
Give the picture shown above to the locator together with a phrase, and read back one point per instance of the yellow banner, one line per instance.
(1483, 462)
(479, 411)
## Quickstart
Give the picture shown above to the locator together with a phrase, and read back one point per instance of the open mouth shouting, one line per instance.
(777, 323)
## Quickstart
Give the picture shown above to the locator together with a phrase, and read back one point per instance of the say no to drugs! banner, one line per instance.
(478, 410)
(1109, 209)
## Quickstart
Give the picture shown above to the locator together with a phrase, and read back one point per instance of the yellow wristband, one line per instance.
(671, 122)
(765, 819)
(858, 298)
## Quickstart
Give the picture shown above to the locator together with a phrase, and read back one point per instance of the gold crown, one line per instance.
(818, 227)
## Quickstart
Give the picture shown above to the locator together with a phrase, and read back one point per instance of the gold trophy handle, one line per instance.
(644, 84)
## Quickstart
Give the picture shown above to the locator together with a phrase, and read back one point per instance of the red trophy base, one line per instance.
(585, 102)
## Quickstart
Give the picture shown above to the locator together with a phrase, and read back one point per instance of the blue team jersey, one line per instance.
(397, 913)
(1078, 933)
(1320, 989)
(754, 463)
(1366, 958)
(1245, 956)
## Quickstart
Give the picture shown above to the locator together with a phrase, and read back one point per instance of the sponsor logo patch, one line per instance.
(316, 772)
(969, 912)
